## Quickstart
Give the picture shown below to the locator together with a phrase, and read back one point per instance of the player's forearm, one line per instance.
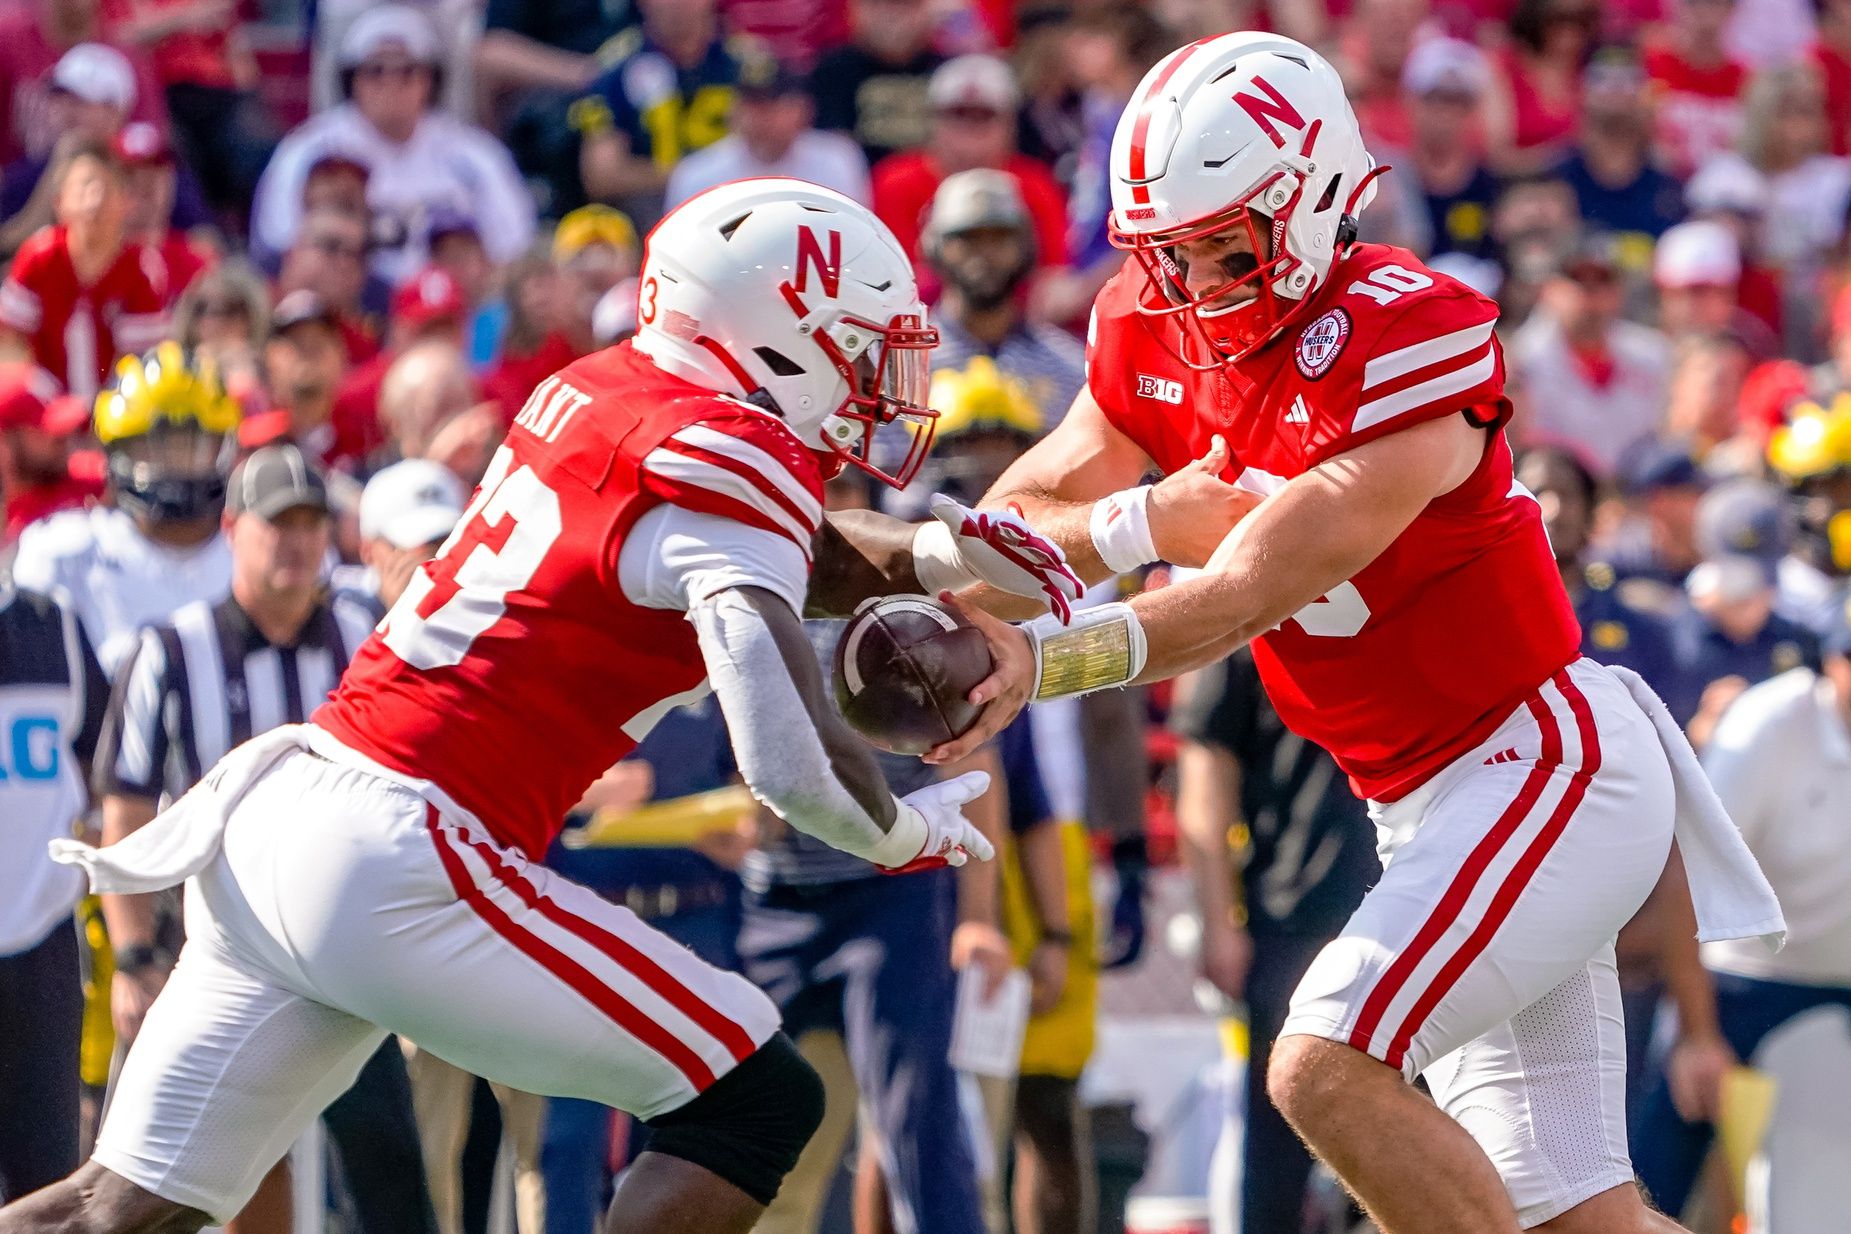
(978, 881)
(859, 554)
(1206, 806)
(130, 918)
(505, 58)
(1044, 871)
(1692, 989)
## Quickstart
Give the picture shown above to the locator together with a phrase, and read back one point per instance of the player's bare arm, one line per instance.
(797, 755)
(1311, 535)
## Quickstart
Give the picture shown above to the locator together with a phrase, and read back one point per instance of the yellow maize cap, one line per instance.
(167, 383)
(982, 396)
(593, 224)
(1815, 440)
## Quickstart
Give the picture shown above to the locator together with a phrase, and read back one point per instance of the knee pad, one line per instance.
(751, 1123)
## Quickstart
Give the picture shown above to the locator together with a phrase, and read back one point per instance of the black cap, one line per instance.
(298, 307)
(1654, 465)
(1746, 520)
(275, 479)
(767, 77)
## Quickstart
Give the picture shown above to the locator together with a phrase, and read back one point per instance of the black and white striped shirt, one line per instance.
(208, 680)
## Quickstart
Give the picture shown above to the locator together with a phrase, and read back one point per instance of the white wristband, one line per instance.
(937, 563)
(1101, 647)
(1121, 530)
(905, 841)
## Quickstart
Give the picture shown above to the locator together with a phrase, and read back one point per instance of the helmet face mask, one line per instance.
(888, 382)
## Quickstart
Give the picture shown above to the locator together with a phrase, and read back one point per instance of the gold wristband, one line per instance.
(1103, 647)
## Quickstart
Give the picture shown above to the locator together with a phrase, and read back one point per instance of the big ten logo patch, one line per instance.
(1160, 388)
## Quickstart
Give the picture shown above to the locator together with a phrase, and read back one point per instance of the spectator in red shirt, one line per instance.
(1538, 96)
(539, 338)
(328, 257)
(304, 364)
(974, 102)
(33, 37)
(149, 173)
(430, 306)
(1696, 86)
(37, 424)
(209, 76)
(1832, 53)
(79, 294)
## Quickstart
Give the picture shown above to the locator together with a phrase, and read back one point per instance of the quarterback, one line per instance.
(1340, 407)
(646, 533)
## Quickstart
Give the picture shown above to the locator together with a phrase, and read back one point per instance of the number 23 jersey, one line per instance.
(526, 657)
(1421, 654)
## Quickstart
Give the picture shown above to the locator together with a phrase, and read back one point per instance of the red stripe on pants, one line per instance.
(1453, 901)
(620, 1011)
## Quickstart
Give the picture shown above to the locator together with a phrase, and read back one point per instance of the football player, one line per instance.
(1342, 405)
(644, 535)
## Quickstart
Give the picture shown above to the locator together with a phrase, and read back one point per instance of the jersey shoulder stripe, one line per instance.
(1451, 384)
(793, 481)
(714, 484)
(1427, 353)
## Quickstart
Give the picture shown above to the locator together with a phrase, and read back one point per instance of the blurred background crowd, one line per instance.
(338, 245)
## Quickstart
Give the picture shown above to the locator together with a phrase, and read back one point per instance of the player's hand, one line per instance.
(1192, 510)
(1047, 975)
(1227, 955)
(982, 944)
(130, 996)
(998, 547)
(951, 839)
(1694, 1073)
(1003, 693)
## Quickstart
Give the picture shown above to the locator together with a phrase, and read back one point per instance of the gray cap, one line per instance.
(274, 479)
(970, 200)
(1748, 521)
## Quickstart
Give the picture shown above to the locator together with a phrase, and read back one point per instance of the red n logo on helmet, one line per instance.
(828, 269)
(1263, 111)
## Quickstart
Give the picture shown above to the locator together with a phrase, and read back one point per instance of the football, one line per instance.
(903, 669)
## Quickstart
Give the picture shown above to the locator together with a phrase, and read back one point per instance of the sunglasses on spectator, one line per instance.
(970, 114)
(398, 72)
(330, 247)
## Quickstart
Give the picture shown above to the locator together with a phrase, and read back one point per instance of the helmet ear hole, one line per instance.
(780, 364)
(1330, 194)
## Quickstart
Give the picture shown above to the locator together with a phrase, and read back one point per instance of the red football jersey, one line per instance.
(76, 332)
(1429, 647)
(514, 670)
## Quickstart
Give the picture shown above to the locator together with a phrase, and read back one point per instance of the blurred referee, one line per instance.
(210, 678)
(52, 694)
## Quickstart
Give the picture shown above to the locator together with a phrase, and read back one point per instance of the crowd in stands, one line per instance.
(380, 226)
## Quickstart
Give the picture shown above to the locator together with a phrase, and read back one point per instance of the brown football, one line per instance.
(903, 669)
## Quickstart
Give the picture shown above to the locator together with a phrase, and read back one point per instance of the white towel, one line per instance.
(1731, 896)
(184, 838)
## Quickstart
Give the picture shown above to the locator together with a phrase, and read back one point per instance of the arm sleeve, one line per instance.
(780, 750)
(131, 757)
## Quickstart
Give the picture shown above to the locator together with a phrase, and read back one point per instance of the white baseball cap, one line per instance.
(387, 24)
(96, 74)
(410, 503)
(1727, 183)
(614, 315)
(1699, 253)
(973, 81)
(1446, 66)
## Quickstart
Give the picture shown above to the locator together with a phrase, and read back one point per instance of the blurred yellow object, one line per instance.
(167, 383)
(982, 396)
(1815, 440)
(1236, 1039)
(593, 224)
(678, 822)
(1748, 1099)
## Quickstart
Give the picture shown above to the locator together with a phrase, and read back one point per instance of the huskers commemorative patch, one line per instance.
(1321, 343)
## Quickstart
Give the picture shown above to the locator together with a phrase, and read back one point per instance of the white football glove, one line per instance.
(959, 546)
(935, 813)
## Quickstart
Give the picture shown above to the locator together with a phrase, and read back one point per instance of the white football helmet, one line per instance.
(793, 297)
(1249, 129)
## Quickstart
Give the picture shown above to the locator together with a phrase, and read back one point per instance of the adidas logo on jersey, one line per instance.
(1298, 413)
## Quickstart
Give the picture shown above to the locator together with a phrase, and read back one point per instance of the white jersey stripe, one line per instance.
(716, 479)
(738, 448)
(1455, 382)
(1400, 363)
